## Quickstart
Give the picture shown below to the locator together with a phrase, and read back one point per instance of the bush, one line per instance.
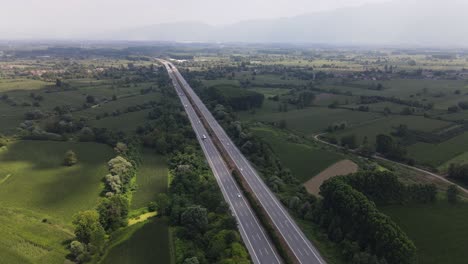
(152, 207)
(70, 158)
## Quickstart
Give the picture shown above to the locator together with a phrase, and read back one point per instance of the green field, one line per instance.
(304, 161)
(142, 243)
(439, 230)
(437, 154)
(25, 239)
(152, 179)
(34, 185)
(21, 84)
(127, 122)
(312, 120)
(386, 126)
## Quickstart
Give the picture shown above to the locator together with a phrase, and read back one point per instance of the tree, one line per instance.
(90, 99)
(121, 148)
(70, 158)
(349, 141)
(79, 252)
(162, 203)
(88, 229)
(452, 194)
(192, 260)
(195, 218)
(383, 143)
(113, 212)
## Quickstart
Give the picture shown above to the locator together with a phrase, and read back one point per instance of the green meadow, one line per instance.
(304, 160)
(39, 196)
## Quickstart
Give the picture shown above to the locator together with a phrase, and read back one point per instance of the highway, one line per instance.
(304, 251)
(254, 236)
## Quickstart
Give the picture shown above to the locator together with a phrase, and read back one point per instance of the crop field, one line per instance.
(304, 161)
(142, 243)
(437, 154)
(38, 181)
(269, 91)
(152, 179)
(325, 99)
(438, 230)
(26, 239)
(21, 84)
(127, 122)
(403, 88)
(313, 120)
(386, 125)
(34, 185)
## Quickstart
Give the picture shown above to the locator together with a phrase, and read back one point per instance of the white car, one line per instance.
(239, 195)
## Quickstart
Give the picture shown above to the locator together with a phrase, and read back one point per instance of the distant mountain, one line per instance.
(413, 22)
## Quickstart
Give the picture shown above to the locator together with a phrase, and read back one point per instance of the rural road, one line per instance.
(254, 236)
(304, 251)
(437, 176)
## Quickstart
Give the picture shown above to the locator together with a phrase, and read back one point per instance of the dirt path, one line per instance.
(342, 167)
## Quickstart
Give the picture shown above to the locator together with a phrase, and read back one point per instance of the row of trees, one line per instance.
(383, 187)
(92, 226)
(365, 234)
(235, 97)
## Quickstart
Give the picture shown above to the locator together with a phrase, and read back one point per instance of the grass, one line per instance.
(21, 84)
(36, 186)
(435, 155)
(304, 161)
(141, 243)
(312, 120)
(387, 125)
(38, 181)
(127, 122)
(151, 179)
(438, 230)
(329, 250)
(24, 238)
(460, 159)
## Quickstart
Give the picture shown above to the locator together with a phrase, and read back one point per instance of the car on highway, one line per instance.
(203, 137)
(239, 195)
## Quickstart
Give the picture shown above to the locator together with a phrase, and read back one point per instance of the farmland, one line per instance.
(389, 124)
(152, 179)
(437, 154)
(439, 230)
(36, 167)
(141, 243)
(304, 160)
(37, 186)
(312, 120)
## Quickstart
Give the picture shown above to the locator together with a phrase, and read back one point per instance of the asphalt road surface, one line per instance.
(254, 236)
(303, 249)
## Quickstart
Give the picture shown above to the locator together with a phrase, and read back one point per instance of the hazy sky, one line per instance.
(29, 18)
